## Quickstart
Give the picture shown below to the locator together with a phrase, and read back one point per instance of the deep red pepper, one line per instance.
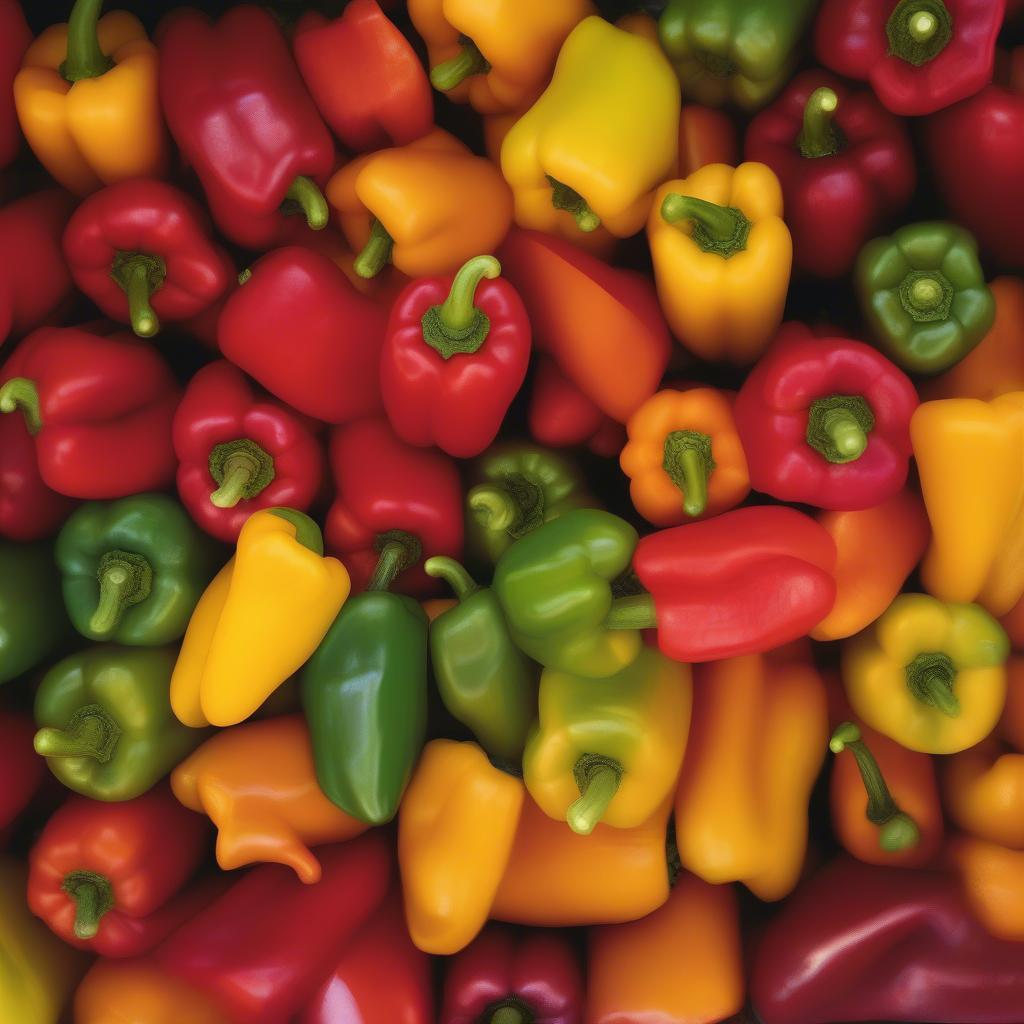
(236, 106)
(100, 410)
(454, 357)
(874, 40)
(142, 251)
(20, 767)
(826, 422)
(384, 485)
(533, 972)
(845, 163)
(15, 35)
(301, 329)
(366, 79)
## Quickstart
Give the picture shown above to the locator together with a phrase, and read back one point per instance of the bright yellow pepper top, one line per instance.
(601, 138)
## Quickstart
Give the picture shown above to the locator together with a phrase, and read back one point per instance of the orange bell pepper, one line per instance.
(706, 136)
(876, 550)
(993, 881)
(257, 784)
(1013, 623)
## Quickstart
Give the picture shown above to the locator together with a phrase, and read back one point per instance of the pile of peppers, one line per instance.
(512, 512)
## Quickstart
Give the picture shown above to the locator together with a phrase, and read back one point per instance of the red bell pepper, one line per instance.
(236, 106)
(15, 36)
(845, 164)
(918, 55)
(301, 329)
(826, 422)
(142, 251)
(514, 976)
(239, 453)
(99, 408)
(107, 876)
(385, 486)
(744, 582)
(455, 356)
(20, 767)
(976, 151)
(365, 77)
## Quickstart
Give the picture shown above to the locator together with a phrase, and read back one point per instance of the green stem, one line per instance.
(922, 26)
(507, 1014)
(565, 198)
(239, 473)
(598, 779)
(20, 393)
(90, 732)
(634, 612)
(242, 469)
(85, 59)
(687, 459)
(454, 71)
(453, 573)
(457, 327)
(719, 229)
(92, 895)
(494, 508)
(376, 253)
(139, 275)
(926, 294)
(930, 677)
(304, 196)
(819, 137)
(838, 427)
(396, 552)
(125, 578)
(919, 30)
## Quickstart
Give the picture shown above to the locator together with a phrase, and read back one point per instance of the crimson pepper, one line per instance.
(300, 328)
(99, 409)
(514, 976)
(455, 356)
(826, 422)
(239, 453)
(918, 55)
(20, 767)
(365, 77)
(386, 487)
(236, 106)
(15, 35)
(845, 164)
(142, 251)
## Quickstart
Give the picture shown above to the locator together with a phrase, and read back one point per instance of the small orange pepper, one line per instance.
(706, 136)
(993, 881)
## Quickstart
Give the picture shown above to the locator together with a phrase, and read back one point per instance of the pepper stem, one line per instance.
(93, 896)
(923, 25)
(687, 461)
(144, 321)
(718, 229)
(454, 71)
(634, 612)
(396, 552)
(918, 30)
(508, 1015)
(84, 58)
(242, 469)
(926, 293)
(457, 326)
(453, 573)
(493, 507)
(376, 253)
(21, 393)
(598, 779)
(930, 678)
(305, 196)
(90, 732)
(125, 578)
(565, 198)
(239, 470)
(838, 427)
(819, 137)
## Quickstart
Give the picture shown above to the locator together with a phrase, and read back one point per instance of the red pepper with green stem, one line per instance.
(15, 36)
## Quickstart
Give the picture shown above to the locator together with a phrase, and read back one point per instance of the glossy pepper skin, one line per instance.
(242, 119)
(105, 724)
(239, 452)
(722, 257)
(991, 878)
(918, 55)
(16, 36)
(258, 621)
(87, 100)
(22, 769)
(845, 165)
(367, 81)
(826, 422)
(133, 570)
(142, 251)
(706, 136)
(923, 295)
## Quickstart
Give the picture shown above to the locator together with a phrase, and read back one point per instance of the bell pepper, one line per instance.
(257, 785)
(862, 942)
(991, 878)
(15, 36)
(923, 295)
(106, 728)
(133, 570)
(456, 828)
(454, 358)
(509, 977)
(22, 770)
(33, 626)
(681, 963)
(303, 331)
(927, 674)
(259, 620)
(706, 136)
(483, 679)
(918, 55)
(99, 409)
(386, 488)
(497, 58)
(239, 453)
(845, 163)
(683, 458)
(142, 251)
(87, 100)
(722, 258)
(365, 78)
(969, 458)
(426, 207)
(242, 119)
(599, 139)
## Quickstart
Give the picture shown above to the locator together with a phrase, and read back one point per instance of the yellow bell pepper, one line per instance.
(722, 258)
(90, 118)
(456, 827)
(259, 620)
(928, 675)
(970, 457)
(601, 138)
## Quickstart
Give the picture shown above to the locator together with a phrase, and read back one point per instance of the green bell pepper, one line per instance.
(364, 692)
(106, 726)
(485, 681)
(555, 587)
(733, 51)
(134, 569)
(923, 295)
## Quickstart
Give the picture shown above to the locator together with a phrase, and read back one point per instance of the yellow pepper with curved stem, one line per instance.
(599, 140)
(259, 620)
